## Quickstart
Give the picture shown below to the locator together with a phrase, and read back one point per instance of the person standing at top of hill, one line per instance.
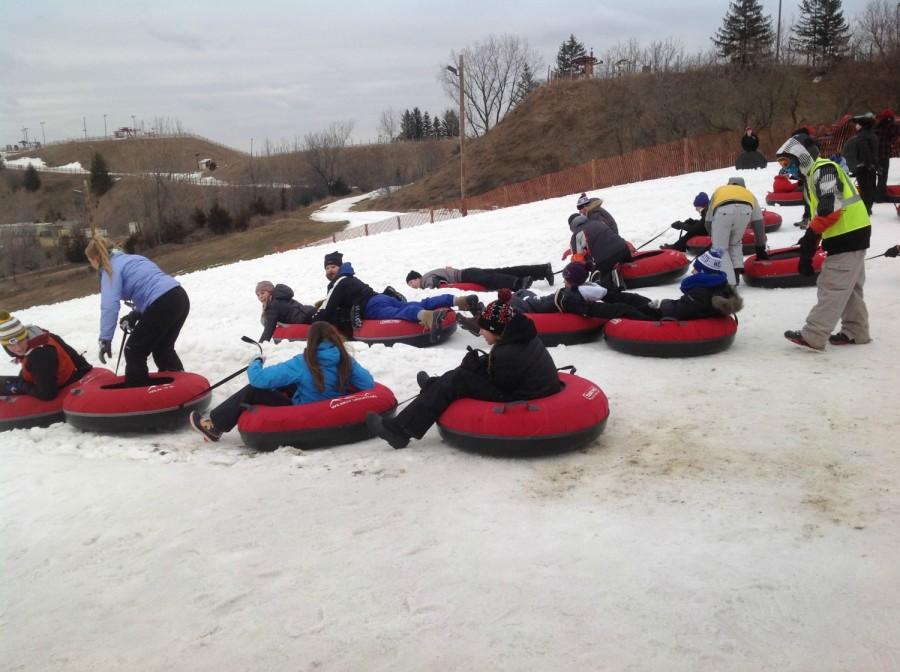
(492, 279)
(350, 300)
(279, 306)
(48, 362)
(866, 158)
(160, 308)
(749, 140)
(595, 241)
(732, 209)
(887, 131)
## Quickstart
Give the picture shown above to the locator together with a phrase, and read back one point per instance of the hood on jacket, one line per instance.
(593, 205)
(576, 221)
(282, 292)
(729, 304)
(795, 151)
(346, 269)
(519, 329)
(739, 181)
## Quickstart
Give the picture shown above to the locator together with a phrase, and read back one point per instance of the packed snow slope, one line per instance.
(740, 512)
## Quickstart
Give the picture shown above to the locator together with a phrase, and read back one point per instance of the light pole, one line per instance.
(43, 135)
(133, 126)
(84, 121)
(104, 126)
(778, 34)
(458, 71)
(25, 133)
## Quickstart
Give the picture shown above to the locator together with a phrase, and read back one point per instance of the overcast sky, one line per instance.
(233, 70)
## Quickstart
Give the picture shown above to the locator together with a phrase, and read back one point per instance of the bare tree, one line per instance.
(388, 125)
(323, 149)
(878, 28)
(492, 72)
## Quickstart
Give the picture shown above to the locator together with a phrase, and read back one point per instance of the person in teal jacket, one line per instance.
(325, 370)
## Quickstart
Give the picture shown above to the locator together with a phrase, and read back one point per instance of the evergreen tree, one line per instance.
(407, 126)
(218, 220)
(437, 130)
(746, 35)
(418, 130)
(101, 182)
(526, 84)
(821, 32)
(31, 181)
(450, 124)
(568, 51)
(426, 125)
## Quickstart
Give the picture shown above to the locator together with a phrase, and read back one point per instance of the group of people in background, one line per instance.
(517, 365)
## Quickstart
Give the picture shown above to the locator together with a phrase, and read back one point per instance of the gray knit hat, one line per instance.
(264, 286)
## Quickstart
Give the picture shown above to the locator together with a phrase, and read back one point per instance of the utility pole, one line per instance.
(104, 126)
(778, 34)
(84, 121)
(25, 134)
(133, 126)
(458, 71)
(43, 135)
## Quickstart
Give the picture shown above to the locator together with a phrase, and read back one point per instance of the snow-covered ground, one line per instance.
(740, 512)
(341, 211)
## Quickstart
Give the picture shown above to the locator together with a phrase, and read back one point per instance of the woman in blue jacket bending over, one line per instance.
(160, 308)
(325, 370)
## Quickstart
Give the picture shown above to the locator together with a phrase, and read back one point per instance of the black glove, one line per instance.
(105, 350)
(761, 253)
(677, 225)
(129, 322)
(892, 251)
(474, 361)
(808, 243)
(12, 386)
(804, 266)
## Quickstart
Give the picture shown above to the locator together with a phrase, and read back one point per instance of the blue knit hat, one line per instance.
(709, 262)
(575, 273)
(701, 200)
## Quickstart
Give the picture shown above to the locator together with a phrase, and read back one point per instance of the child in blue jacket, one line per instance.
(325, 370)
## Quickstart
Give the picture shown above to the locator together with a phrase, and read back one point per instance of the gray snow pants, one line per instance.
(727, 228)
(840, 297)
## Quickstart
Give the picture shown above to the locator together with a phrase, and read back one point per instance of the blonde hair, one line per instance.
(98, 250)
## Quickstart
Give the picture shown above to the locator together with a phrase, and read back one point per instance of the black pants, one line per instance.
(225, 415)
(691, 230)
(622, 304)
(865, 177)
(439, 393)
(509, 277)
(155, 334)
(882, 180)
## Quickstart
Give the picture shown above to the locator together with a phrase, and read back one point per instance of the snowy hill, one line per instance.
(740, 512)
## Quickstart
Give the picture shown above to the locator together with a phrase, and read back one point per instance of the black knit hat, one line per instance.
(334, 259)
(575, 274)
(497, 314)
(413, 275)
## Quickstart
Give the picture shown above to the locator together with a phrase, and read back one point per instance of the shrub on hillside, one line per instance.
(259, 207)
(172, 231)
(73, 246)
(198, 218)
(31, 181)
(218, 220)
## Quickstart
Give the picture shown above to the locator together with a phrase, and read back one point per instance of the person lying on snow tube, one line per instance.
(324, 370)
(577, 296)
(48, 362)
(518, 367)
(279, 307)
(160, 308)
(596, 242)
(350, 301)
(492, 279)
(705, 293)
(690, 227)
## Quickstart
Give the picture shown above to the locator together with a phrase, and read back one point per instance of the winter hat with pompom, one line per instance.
(497, 314)
(709, 262)
(583, 200)
(11, 330)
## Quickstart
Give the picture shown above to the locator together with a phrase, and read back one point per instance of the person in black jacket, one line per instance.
(691, 227)
(279, 307)
(596, 242)
(350, 300)
(48, 362)
(866, 168)
(705, 293)
(749, 140)
(887, 131)
(518, 367)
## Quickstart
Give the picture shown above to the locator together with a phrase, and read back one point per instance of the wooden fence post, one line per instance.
(684, 151)
(366, 226)
(398, 223)
(593, 174)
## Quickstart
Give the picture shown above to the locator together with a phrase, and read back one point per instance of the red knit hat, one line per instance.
(887, 113)
(497, 314)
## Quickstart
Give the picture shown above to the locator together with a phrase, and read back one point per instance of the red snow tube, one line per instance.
(784, 198)
(782, 184)
(316, 425)
(771, 222)
(780, 270)
(21, 410)
(893, 193)
(653, 267)
(568, 420)
(102, 405)
(465, 286)
(390, 332)
(566, 328)
(671, 338)
(291, 332)
(387, 332)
